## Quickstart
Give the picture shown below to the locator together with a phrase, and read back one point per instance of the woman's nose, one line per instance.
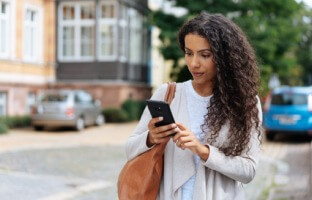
(195, 62)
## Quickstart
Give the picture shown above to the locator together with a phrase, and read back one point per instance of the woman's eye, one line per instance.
(206, 56)
(188, 53)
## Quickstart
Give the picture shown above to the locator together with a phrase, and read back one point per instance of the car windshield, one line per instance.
(54, 97)
(289, 99)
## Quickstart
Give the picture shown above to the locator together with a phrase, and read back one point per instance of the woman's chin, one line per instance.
(199, 80)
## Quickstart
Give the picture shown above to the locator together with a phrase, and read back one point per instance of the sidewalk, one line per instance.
(19, 139)
(270, 171)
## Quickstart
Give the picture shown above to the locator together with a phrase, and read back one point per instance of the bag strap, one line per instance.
(170, 92)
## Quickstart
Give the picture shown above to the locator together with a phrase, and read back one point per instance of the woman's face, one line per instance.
(198, 58)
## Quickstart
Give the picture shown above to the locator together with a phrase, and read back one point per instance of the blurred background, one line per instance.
(67, 65)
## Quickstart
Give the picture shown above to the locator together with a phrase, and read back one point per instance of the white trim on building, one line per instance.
(24, 78)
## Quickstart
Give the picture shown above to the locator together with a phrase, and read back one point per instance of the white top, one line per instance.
(197, 109)
(220, 177)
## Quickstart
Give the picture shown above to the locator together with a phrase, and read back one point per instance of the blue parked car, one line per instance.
(288, 110)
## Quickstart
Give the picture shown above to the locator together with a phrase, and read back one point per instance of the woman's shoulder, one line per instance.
(162, 89)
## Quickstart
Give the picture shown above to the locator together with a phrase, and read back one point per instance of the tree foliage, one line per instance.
(280, 32)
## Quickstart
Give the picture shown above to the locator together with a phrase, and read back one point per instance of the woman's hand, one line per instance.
(185, 139)
(161, 134)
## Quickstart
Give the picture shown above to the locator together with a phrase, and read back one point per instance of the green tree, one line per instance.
(274, 28)
(304, 51)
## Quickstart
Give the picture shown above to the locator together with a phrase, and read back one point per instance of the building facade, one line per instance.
(101, 46)
(27, 52)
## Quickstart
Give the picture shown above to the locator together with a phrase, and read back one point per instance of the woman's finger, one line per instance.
(180, 134)
(153, 121)
(170, 132)
(189, 144)
(184, 139)
(162, 140)
(165, 128)
(182, 127)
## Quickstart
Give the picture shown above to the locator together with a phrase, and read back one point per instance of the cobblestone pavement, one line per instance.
(64, 164)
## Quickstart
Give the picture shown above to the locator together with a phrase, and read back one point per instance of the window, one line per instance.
(32, 41)
(145, 43)
(289, 99)
(107, 30)
(83, 97)
(4, 27)
(3, 100)
(56, 97)
(136, 35)
(30, 101)
(123, 34)
(77, 31)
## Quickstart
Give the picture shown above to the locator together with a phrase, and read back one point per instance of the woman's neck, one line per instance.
(203, 89)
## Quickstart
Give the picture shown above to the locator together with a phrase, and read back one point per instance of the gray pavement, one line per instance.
(61, 165)
(68, 173)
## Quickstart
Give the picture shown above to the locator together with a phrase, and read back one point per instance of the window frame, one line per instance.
(110, 21)
(136, 28)
(10, 42)
(30, 102)
(38, 57)
(123, 23)
(77, 23)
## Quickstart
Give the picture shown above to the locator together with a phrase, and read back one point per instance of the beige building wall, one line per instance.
(18, 76)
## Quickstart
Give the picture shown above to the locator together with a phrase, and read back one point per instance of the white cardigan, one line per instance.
(219, 178)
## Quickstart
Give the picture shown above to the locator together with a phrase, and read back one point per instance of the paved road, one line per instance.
(59, 165)
(294, 177)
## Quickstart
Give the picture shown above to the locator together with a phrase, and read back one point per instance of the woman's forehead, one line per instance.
(196, 42)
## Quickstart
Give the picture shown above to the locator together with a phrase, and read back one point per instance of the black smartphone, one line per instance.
(160, 109)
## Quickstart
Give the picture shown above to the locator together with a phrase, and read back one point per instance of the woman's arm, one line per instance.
(240, 168)
(136, 143)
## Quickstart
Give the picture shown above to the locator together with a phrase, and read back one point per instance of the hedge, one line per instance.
(134, 108)
(115, 115)
(13, 122)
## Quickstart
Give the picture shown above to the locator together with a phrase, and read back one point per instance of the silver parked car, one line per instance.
(75, 108)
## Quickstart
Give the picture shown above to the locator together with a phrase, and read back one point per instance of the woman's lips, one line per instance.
(197, 74)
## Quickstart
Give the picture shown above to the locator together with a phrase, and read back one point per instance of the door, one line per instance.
(3, 104)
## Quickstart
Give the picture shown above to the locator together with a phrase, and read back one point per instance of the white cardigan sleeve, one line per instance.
(240, 168)
(136, 143)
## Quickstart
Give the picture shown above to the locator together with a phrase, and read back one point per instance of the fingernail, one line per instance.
(161, 118)
(173, 125)
(176, 129)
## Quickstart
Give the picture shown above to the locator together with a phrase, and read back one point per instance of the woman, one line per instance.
(218, 116)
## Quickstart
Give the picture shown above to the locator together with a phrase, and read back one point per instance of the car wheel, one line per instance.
(99, 120)
(270, 136)
(38, 128)
(80, 124)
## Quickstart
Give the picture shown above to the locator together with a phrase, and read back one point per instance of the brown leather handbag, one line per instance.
(140, 177)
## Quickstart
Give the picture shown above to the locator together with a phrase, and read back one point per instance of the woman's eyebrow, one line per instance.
(198, 50)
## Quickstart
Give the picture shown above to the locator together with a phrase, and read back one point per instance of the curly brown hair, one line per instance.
(235, 86)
